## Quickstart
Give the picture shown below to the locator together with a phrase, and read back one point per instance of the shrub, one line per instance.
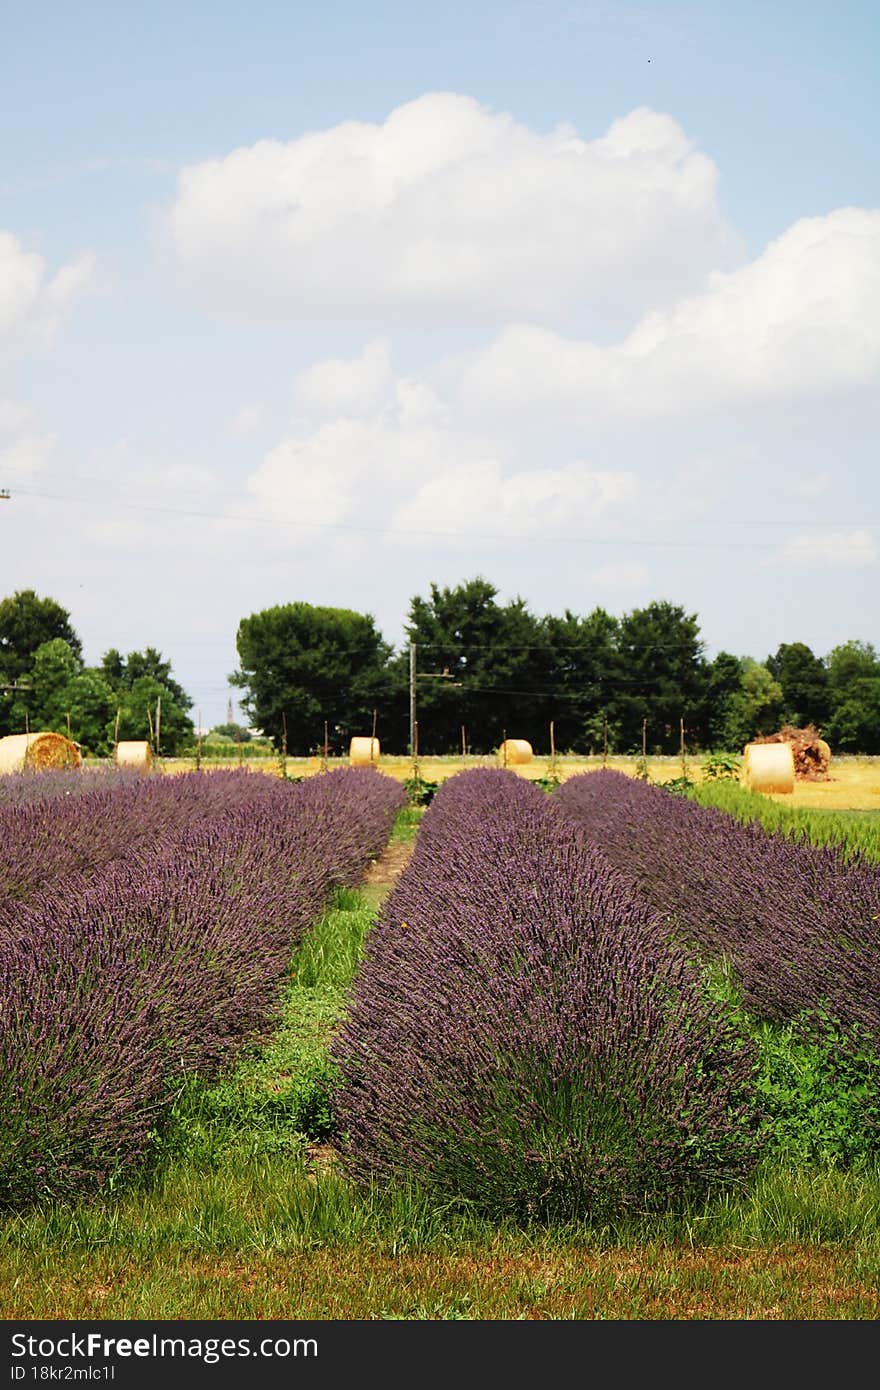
(522, 1038)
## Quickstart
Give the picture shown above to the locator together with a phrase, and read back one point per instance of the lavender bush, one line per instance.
(17, 788)
(117, 986)
(799, 925)
(50, 837)
(522, 1037)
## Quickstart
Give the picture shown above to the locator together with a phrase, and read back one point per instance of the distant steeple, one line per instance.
(229, 718)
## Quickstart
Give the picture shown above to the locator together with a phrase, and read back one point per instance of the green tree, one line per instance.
(90, 702)
(480, 666)
(854, 683)
(661, 677)
(26, 623)
(310, 664)
(66, 698)
(55, 664)
(122, 672)
(755, 708)
(237, 732)
(144, 705)
(803, 678)
(144, 692)
(722, 683)
(582, 668)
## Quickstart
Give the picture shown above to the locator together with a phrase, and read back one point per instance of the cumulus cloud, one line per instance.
(390, 457)
(31, 309)
(802, 321)
(345, 386)
(835, 548)
(249, 419)
(32, 306)
(450, 212)
(481, 499)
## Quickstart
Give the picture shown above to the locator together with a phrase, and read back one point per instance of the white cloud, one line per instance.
(395, 461)
(31, 307)
(342, 386)
(449, 212)
(802, 321)
(812, 487)
(249, 419)
(481, 499)
(836, 548)
(23, 456)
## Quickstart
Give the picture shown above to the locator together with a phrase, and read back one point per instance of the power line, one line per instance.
(521, 538)
(277, 497)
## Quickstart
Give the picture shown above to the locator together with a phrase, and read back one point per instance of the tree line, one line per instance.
(45, 684)
(480, 670)
(469, 671)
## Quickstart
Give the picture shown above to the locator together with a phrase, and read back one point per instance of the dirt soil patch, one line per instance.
(386, 870)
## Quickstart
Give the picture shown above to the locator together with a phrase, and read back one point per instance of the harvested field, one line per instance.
(853, 784)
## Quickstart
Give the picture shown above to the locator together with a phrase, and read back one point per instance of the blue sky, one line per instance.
(328, 303)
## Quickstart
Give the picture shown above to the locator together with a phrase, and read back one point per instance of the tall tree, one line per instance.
(755, 708)
(479, 667)
(582, 666)
(854, 683)
(54, 666)
(661, 677)
(122, 672)
(803, 679)
(26, 622)
(142, 684)
(722, 685)
(307, 664)
(142, 706)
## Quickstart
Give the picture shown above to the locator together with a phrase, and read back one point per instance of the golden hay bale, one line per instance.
(363, 752)
(515, 750)
(36, 752)
(133, 754)
(768, 767)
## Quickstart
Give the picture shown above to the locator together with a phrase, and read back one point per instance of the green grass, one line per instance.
(241, 1217)
(854, 831)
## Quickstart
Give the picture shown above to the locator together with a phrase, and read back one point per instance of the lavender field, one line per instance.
(799, 925)
(523, 1034)
(539, 1067)
(146, 933)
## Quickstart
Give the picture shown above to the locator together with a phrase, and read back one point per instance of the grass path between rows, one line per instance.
(245, 1217)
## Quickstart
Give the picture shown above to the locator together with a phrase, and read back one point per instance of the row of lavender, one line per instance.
(799, 925)
(522, 1034)
(145, 935)
(56, 825)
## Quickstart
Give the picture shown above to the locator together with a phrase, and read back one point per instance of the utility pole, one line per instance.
(444, 675)
(412, 699)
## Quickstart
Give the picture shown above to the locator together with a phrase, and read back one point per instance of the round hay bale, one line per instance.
(132, 753)
(37, 751)
(515, 751)
(768, 767)
(363, 752)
